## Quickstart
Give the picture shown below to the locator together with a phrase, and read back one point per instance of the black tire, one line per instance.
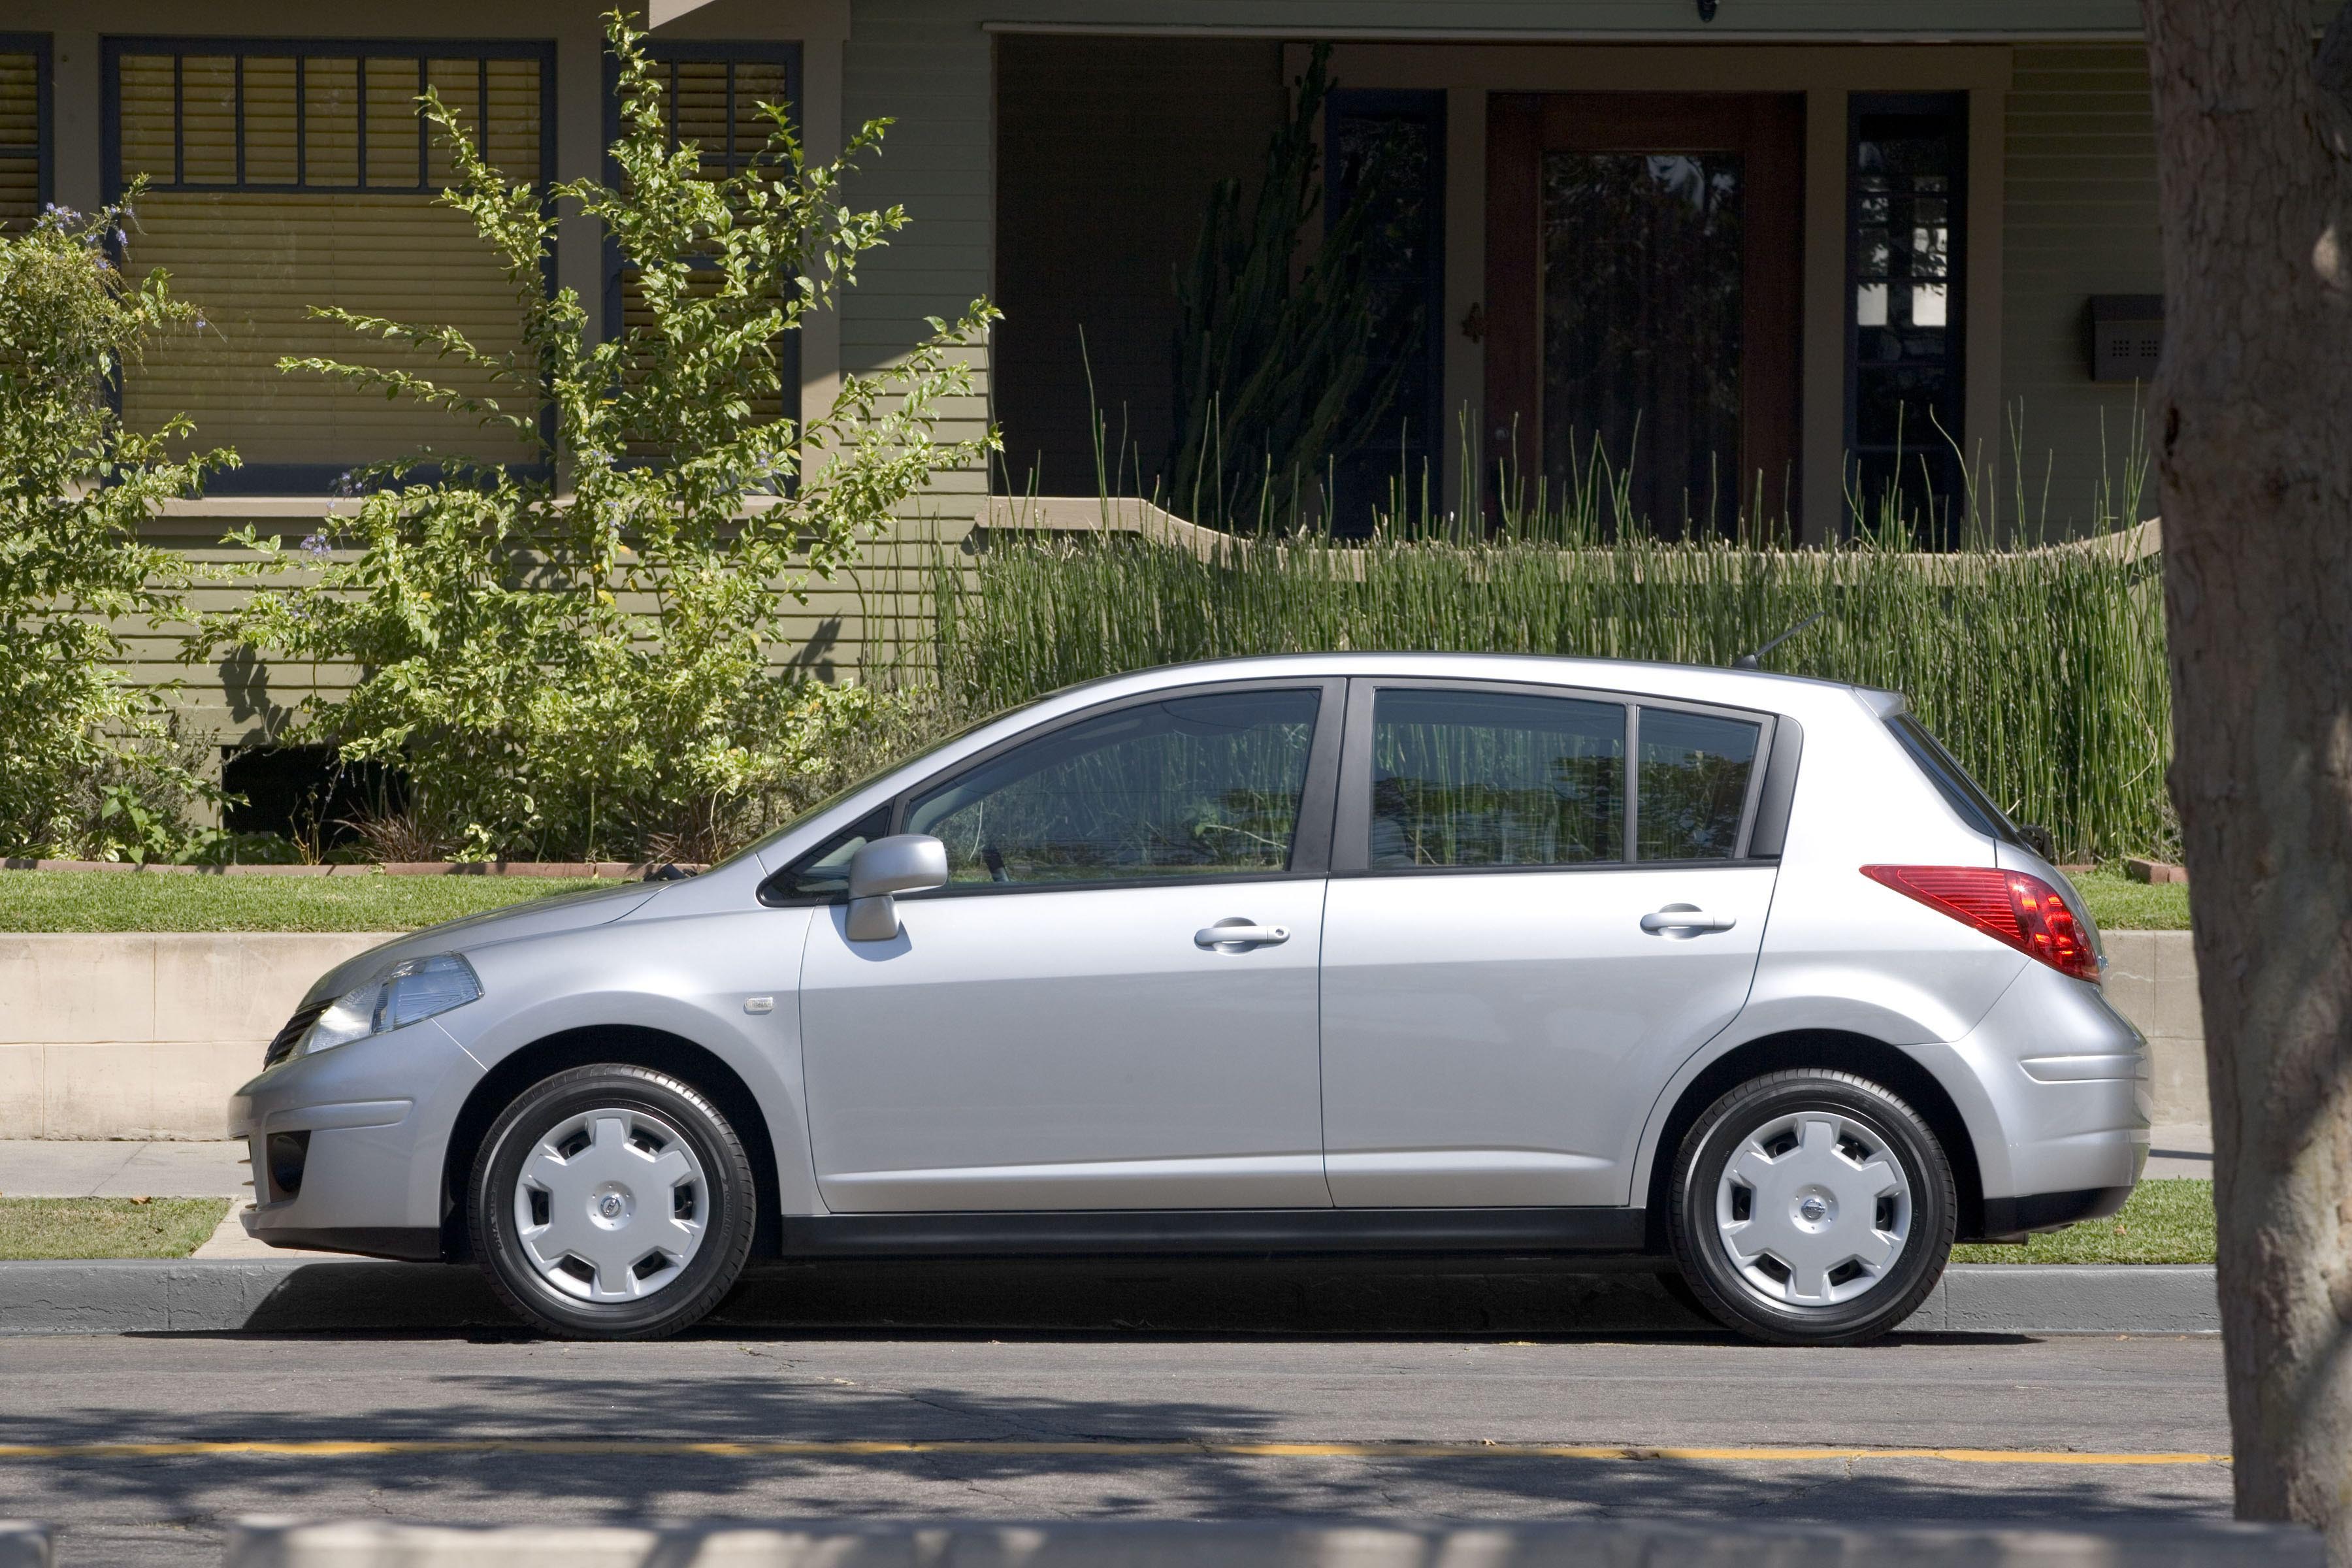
(725, 1201)
(1887, 1128)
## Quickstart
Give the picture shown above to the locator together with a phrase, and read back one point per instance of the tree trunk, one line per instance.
(2253, 425)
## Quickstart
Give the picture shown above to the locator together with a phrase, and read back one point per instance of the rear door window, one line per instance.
(1486, 778)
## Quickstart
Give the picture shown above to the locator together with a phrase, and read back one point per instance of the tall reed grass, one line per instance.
(2043, 670)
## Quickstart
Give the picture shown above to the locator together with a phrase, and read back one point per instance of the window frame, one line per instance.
(315, 478)
(786, 52)
(1351, 820)
(1310, 844)
(44, 151)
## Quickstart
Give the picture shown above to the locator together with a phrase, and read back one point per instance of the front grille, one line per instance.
(282, 1046)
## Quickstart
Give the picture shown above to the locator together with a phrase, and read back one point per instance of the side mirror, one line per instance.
(2040, 840)
(902, 863)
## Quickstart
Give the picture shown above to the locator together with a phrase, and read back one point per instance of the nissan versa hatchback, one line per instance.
(1372, 954)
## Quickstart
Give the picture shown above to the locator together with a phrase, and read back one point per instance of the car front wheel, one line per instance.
(612, 1202)
(1811, 1207)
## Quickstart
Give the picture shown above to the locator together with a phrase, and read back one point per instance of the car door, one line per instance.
(1541, 904)
(1059, 1028)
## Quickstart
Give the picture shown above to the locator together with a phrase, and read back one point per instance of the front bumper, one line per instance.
(348, 1145)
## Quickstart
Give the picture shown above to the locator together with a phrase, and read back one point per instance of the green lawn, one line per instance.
(2169, 1220)
(106, 1227)
(138, 900)
(2118, 903)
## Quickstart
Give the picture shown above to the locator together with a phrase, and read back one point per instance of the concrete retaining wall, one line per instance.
(1272, 1544)
(2152, 981)
(144, 1034)
(141, 1035)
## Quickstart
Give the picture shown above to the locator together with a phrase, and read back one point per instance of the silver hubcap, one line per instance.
(611, 1205)
(1812, 1210)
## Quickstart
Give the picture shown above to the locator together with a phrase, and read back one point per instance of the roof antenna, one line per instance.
(1756, 660)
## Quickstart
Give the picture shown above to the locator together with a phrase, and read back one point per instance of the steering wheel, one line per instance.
(994, 860)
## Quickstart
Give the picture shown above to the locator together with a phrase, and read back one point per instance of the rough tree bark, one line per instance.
(2253, 425)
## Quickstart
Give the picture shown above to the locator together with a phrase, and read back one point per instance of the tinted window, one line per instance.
(1472, 778)
(1694, 785)
(823, 871)
(1190, 786)
(1951, 780)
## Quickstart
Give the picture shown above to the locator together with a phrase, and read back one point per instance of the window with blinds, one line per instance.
(283, 175)
(24, 128)
(711, 98)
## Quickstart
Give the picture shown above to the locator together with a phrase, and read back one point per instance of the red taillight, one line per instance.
(2024, 912)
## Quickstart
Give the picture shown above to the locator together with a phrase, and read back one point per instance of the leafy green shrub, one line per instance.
(89, 762)
(586, 668)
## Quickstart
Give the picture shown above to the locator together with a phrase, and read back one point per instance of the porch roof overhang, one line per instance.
(1594, 21)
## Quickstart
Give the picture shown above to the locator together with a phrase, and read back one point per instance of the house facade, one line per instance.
(1781, 249)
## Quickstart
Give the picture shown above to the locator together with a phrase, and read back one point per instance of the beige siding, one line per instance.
(2081, 220)
(927, 66)
(867, 619)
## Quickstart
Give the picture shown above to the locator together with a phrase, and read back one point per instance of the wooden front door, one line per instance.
(1644, 272)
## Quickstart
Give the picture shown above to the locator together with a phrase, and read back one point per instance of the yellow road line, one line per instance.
(852, 1449)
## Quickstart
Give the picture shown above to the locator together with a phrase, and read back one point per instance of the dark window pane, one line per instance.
(1484, 779)
(1904, 428)
(1642, 260)
(1694, 785)
(1185, 787)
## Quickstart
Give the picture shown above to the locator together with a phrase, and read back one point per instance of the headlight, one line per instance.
(406, 993)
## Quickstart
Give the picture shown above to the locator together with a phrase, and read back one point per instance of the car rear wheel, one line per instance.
(612, 1202)
(1811, 1207)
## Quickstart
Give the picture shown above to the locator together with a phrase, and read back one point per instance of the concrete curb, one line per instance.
(23, 1544)
(1181, 1544)
(299, 1296)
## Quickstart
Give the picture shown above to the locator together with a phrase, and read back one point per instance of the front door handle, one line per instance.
(1685, 920)
(1233, 935)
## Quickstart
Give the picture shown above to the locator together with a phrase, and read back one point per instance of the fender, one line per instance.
(615, 977)
(1914, 1031)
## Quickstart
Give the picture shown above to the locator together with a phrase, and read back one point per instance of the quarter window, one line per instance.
(1495, 778)
(1187, 786)
(1694, 785)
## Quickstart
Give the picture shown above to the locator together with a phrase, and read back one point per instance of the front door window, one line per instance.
(1186, 787)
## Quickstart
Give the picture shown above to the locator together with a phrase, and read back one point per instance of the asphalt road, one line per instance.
(1096, 1419)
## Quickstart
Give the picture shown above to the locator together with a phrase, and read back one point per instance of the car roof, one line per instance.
(1693, 682)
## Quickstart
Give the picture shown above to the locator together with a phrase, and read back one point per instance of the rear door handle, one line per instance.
(1685, 918)
(1233, 935)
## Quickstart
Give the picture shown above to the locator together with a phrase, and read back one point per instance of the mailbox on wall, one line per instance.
(2126, 336)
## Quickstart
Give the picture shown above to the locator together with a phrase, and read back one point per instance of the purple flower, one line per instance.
(317, 546)
(200, 322)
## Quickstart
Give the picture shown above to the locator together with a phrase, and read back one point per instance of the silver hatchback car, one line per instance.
(1375, 952)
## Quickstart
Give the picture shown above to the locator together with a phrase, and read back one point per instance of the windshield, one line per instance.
(837, 796)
